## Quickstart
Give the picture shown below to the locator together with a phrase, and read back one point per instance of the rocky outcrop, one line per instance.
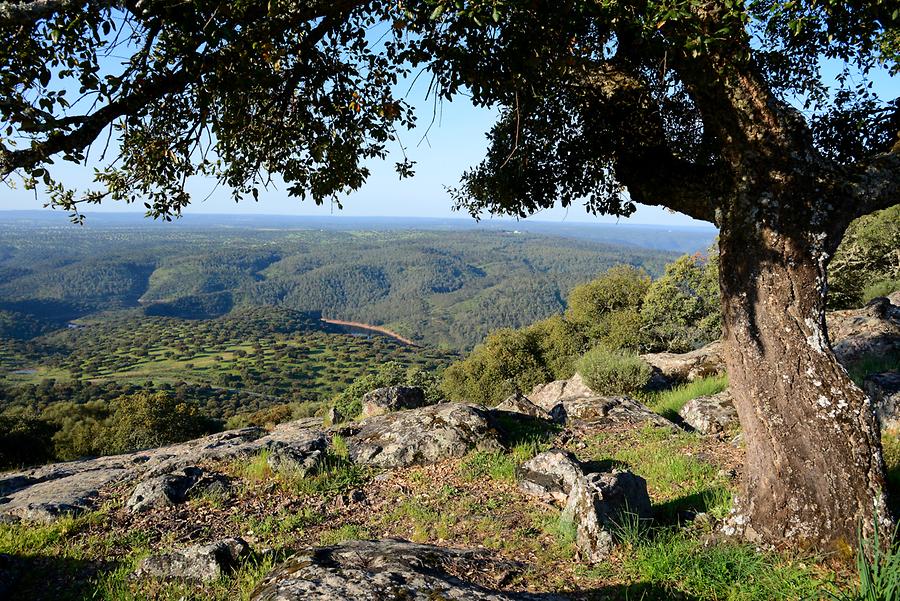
(598, 505)
(685, 367)
(550, 476)
(297, 458)
(420, 436)
(548, 396)
(518, 403)
(711, 414)
(48, 492)
(871, 330)
(606, 412)
(389, 569)
(198, 563)
(392, 398)
(884, 390)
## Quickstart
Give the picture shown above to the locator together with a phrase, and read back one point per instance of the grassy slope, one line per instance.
(472, 502)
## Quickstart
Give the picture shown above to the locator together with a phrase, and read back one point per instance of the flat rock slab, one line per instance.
(48, 492)
(711, 414)
(684, 367)
(606, 412)
(390, 570)
(420, 436)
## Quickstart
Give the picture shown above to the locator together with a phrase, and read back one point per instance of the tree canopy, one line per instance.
(590, 93)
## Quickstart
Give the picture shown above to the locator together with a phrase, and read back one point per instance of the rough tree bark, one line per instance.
(814, 470)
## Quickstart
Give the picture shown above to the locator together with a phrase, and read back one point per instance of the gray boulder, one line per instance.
(684, 367)
(711, 414)
(420, 436)
(297, 458)
(517, 403)
(598, 503)
(392, 398)
(548, 396)
(163, 491)
(604, 412)
(197, 563)
(550, 476)
(389, 569)
(884, 390)
(177, 487)
(871, 330)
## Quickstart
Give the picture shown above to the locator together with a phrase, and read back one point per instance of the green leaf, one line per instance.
(437, 12)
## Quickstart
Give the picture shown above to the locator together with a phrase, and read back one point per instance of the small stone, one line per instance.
(884, 390)
(711, 414)
(297, 460)
(197, 563)
(391, 398)
(597, 503)
(550, 476)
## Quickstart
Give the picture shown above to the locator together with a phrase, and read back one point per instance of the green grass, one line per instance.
(500, 465)
(344, 533)
(676, 478)
(873, 364)
(669, 402)
(677, 563)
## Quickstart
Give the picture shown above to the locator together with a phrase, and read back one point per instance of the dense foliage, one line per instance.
(618, 314)
(867, 264)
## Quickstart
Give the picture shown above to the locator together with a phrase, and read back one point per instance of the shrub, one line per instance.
(621, 287)
(868, 255)
(24, 439)
(613, 371)
(682, 309)
(349, 402)
(508, 360)
(144, 420)
(880, 288)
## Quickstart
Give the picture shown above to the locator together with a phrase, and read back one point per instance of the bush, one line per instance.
(144, 420)
(621, 288)
(613, 371)
(880, 288)
(559, 345)
(868, 254)
(349, 402)
(508, 360)
(682, 309)
(24, 440)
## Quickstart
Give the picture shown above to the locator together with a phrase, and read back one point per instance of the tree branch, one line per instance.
(644, 163)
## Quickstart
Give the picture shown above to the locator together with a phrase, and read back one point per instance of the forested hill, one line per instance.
(442, 286)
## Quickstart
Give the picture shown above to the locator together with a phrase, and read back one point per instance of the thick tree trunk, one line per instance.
(814, 469)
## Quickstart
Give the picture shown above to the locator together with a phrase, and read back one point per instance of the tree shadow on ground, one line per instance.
(681, 509)
(39, 577)
(636, 591)
(518, 428)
